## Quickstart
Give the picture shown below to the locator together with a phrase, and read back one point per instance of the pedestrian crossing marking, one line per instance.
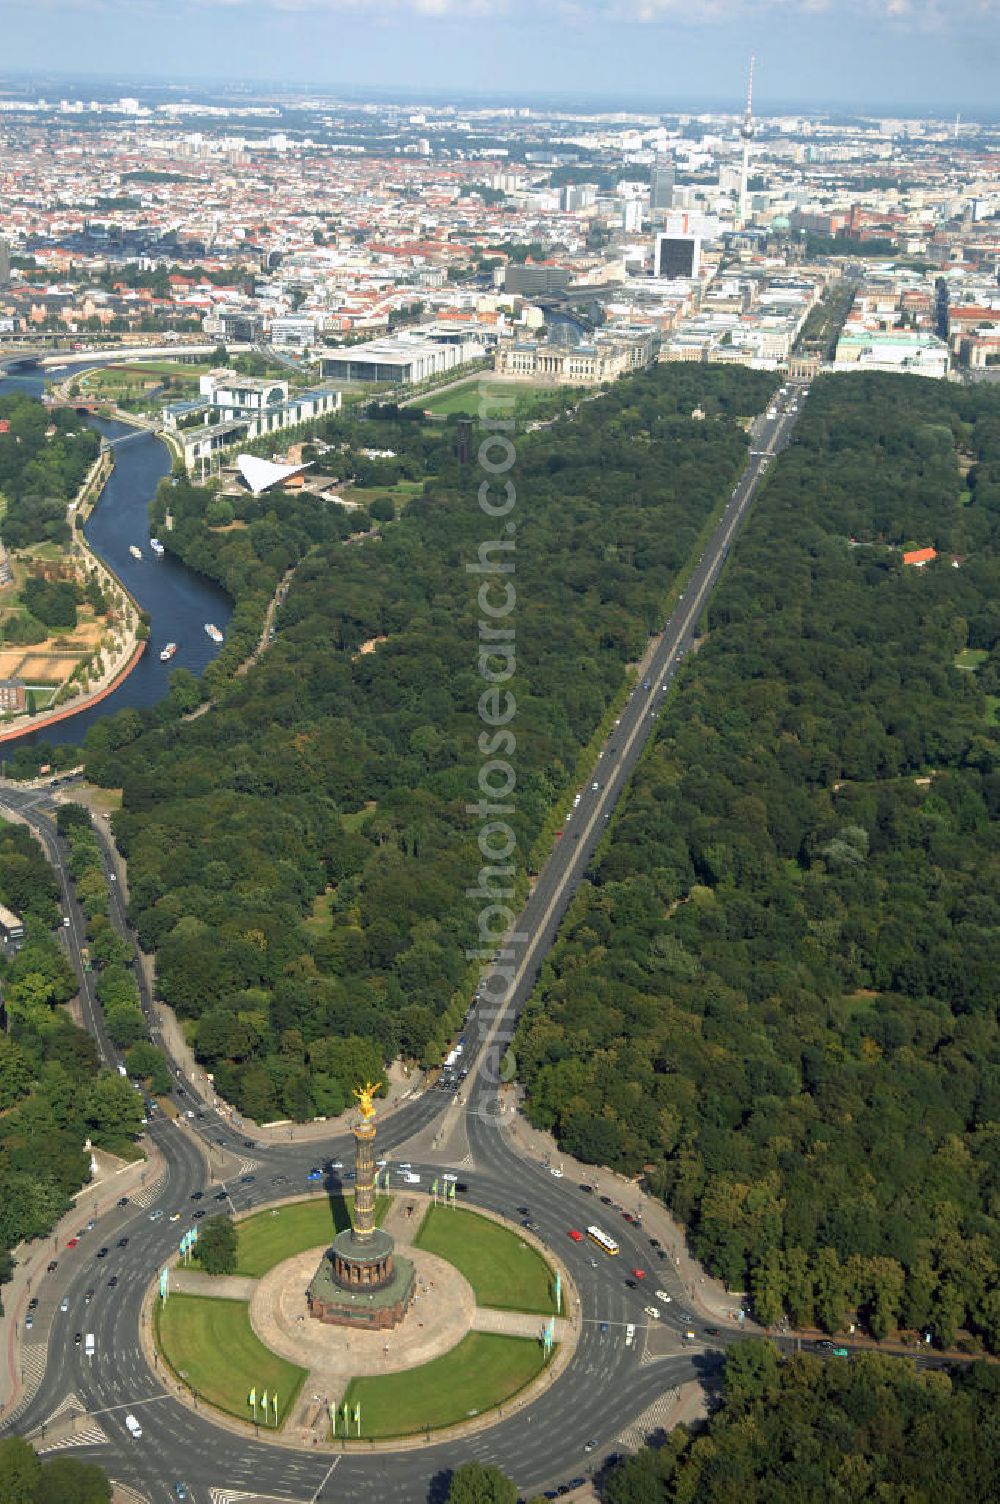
(70, 1405)
(237, 1496)
(90, 1435)
(652, 1419)
(149, 1193)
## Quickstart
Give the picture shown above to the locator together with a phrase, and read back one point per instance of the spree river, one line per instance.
(178, 601)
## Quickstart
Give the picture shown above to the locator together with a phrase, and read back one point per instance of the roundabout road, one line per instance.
(608, 1382)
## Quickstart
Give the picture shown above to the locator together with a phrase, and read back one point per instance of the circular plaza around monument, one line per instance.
(481, 1331)
(366, 1319)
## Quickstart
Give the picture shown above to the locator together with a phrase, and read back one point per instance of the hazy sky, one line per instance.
(922, 55)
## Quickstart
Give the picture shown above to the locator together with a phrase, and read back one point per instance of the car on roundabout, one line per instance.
(575, 1235)
(639, 1273)
(315, 1175)
(175, 1216)
(652, 1312)
(662, 1295)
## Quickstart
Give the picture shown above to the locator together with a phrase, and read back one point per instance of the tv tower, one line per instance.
(746, 133)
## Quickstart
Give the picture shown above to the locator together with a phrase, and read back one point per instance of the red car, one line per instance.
(72, 1242)
(576, 1236)
(639, 1273)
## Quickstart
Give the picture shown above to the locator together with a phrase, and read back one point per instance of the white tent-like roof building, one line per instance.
(261, 475)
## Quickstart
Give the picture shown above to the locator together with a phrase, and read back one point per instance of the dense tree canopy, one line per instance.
(40, 471)
(829, 1432)
(474, 1483)
(53, 1095)
(778, 990)
(330, 771)
(26, 1479)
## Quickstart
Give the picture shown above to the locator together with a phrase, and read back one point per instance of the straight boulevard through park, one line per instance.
(609, 1380)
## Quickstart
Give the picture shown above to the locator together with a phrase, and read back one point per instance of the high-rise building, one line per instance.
(677, 256)
(4, 264)
(534, 279)
(661, 186)
(632, 215)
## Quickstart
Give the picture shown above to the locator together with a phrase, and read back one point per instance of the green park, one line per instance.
(280, 1232)
(478, 1375)
(504, 1271)
(212, 1348)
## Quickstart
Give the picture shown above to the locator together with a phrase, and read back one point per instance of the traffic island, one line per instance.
(454, 1364)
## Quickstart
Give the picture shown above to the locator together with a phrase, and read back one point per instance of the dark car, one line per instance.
(102, 1253)
(661, 1254)
(588, 1188)
(248, 1179)
(123, 1242)
(606, 1200)
(524, 1211)
(713, 1331)
(53, 1265)
(123, 1201)
(78, 1339)
(88, 1297)
(221, 1196)
(632, 1284)
(654, 1242)
(823, 1346)
(197, 1195)
(248, 1143)
(33, 1303)
(199, 1213)
(112, 1282)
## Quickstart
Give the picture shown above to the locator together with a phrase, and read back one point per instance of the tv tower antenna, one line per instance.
(746, 134)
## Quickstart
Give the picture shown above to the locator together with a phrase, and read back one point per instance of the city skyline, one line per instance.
(879, 56)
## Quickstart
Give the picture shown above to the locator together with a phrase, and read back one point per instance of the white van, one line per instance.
(133, 1427)
(90, 1345)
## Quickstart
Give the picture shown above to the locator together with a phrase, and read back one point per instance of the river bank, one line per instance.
(176, 601)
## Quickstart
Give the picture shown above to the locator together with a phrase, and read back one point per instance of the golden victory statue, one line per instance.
(364, 1095)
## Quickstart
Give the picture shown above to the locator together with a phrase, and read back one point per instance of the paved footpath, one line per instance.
(114, 1179)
